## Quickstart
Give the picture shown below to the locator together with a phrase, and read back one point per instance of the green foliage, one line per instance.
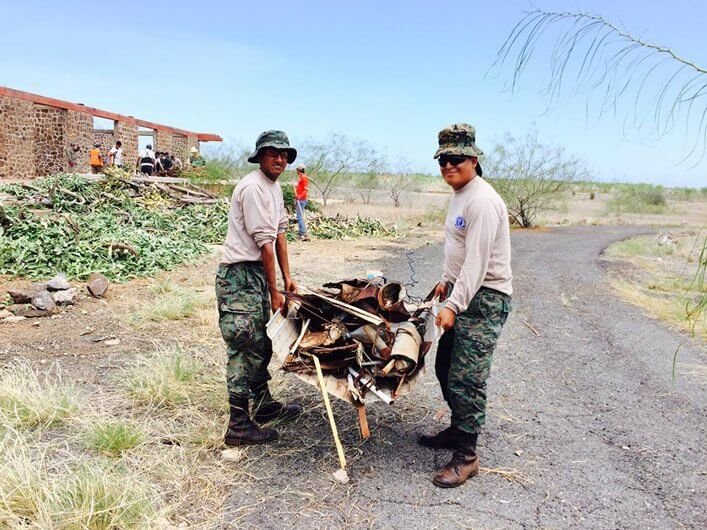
(638, 198)
(288, 194)
(78, 234)
(640, 246)
(340, 227)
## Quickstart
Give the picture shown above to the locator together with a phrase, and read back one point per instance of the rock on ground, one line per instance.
(97, 284)
(66, 297)
(58, 283)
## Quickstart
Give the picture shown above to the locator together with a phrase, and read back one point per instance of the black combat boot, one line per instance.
(241, 430)
(449, 438)
(266, 409)
(463, 465)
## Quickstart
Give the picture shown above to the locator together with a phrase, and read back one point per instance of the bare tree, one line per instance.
(336, 158)
(600, 59)
(531, 177)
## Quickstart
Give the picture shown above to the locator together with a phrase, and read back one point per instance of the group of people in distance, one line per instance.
(160, 163)
(149, 162)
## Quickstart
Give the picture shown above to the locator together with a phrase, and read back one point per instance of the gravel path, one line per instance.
(585, 429)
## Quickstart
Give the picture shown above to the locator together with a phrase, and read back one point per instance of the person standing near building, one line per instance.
(476, 284)
(195, 158)
(146, 161)
(72, 156)
(96, 159)
(301, 191)
(115, 155)
(246, 290)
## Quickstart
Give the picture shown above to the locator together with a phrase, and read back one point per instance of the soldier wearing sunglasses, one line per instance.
(476, 285)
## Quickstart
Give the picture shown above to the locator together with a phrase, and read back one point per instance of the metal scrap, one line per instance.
(366, 334)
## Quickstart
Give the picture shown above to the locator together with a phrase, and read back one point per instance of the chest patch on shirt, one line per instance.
(459, 222)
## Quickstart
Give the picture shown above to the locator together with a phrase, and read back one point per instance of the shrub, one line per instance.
(638, 198)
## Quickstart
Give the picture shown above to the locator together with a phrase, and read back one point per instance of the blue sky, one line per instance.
(392, 73)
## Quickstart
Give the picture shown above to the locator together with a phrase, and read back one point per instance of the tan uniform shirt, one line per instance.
(477, 244)
(256, 216)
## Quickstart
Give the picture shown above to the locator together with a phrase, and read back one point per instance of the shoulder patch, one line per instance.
(459, 222)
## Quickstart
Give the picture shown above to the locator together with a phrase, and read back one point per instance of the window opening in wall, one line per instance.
(145, 137)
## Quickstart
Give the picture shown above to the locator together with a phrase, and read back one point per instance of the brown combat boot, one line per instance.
(266, 409)
(464, 464)
(241, 430)
(449, 438)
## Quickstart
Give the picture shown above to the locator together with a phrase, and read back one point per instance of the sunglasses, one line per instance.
(455, 160)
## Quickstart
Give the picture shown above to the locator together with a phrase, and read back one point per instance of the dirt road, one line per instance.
(585, 429)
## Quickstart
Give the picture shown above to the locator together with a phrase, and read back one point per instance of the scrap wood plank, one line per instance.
(330, 413)
(363, 421)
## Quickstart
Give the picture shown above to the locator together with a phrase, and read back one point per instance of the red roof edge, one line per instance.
(67, 105)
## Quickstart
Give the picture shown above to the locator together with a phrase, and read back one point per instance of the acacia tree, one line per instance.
(531, 177)
(336, 158)
(602, 59)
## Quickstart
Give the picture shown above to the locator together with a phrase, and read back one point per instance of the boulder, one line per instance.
(22, 296)
(58, 283)
(43, 301)
(4, 313)
(66, 297)
(97, 284)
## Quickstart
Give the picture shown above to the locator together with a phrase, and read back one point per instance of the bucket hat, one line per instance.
(276, 139)
(458, 139)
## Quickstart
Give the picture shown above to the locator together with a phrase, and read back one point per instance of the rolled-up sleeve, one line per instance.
(255, 216)
(482, 225)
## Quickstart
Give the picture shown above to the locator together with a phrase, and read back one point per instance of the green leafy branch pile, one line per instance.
(340, 227)
(122, 228)
(68, 224)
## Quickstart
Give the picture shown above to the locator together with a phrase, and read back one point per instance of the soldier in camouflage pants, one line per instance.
(243, 306)
(476, 286)
(464, 357)
(246, 290)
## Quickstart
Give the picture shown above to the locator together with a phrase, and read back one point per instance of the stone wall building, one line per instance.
(40, 136)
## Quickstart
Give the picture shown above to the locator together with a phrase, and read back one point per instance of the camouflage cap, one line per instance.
(276, 139)
(458, 139)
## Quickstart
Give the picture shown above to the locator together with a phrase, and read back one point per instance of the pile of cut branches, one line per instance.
(122, 228)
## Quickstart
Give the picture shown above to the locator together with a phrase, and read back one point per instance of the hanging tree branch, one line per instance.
(599, 58)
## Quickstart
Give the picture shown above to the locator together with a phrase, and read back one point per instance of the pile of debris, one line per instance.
(43, 299)
(367, 336)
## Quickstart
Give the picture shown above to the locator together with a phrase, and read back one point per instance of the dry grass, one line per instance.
(37, 491)
(659, 278)
(27, 402)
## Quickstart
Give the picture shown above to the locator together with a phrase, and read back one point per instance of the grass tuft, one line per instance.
(166, 379)
(101, 499)
(26, 402)
(113, 438)
(171, 302)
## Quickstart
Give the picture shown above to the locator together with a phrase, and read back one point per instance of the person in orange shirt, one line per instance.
(301, 190)
(96, 159)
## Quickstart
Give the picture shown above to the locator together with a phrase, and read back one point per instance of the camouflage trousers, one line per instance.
(244, 310)
(464, 357)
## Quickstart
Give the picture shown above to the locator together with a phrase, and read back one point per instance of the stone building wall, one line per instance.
(127, 133)
(42, 136)
(180, 148)
(163, 141)
(105, 137)
(49, 133)
(79, 131)
(16, 138)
